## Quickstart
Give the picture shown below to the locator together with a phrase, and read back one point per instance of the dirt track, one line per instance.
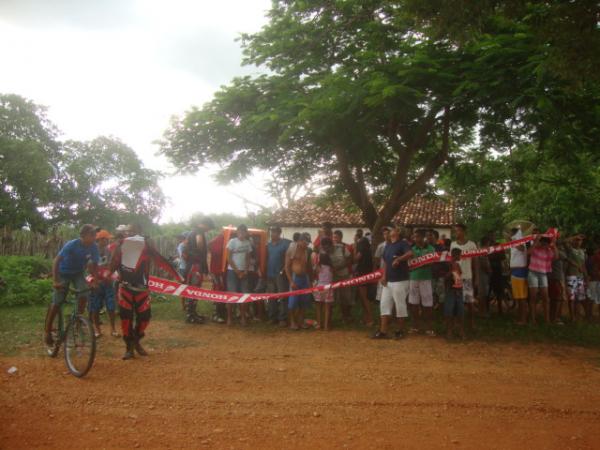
(211, 387)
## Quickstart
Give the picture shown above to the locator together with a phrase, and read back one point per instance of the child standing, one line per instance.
(324, 298)
(454, 307)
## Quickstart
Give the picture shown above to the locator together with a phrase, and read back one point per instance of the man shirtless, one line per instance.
(297, 270)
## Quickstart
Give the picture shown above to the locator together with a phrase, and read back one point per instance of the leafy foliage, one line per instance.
(25, 280)
(44, 182)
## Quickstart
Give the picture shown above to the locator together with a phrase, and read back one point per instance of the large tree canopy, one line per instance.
(44, 182)
(360, 94)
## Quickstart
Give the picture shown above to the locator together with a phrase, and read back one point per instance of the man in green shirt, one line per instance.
(420, 290)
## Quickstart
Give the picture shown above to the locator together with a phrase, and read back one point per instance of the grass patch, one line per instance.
(21, 328)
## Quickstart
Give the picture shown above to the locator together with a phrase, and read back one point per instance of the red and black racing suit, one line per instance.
(133, 295)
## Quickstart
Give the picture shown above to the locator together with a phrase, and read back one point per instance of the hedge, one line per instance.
(25, 280)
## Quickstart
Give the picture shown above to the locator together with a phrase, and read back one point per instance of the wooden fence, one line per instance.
(27, 243)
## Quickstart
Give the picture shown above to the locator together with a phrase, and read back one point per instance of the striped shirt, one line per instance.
(541, 259)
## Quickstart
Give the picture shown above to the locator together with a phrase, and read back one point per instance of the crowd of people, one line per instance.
(541, 276)
(545, 274)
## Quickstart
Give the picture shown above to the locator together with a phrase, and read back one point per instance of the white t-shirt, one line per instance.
(465, 264)
(518, 258)
(239, 251)
(379, 253)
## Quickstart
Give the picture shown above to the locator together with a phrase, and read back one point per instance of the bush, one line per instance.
(26, 280)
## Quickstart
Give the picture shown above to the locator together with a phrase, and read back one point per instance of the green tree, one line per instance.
(353, 96)
(108, 184)
(29, 164)
(46, 182)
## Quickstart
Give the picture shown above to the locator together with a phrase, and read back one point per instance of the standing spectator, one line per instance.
(438, 270)
(557, 285)
(420, 290)
(497, 279)
(256, 309)
(215, 248)
(104, 294)
(195, 254)
(276, 280)
(485, 273)
(341, 259)
(298, 271)
(363, 259)
(468, 267)
(395, 283)
(576, 275)
(324, 275)
(325, 231)
(454, 308)
(239, 249)
(594, 284)
(378, 258)
(518, 276)
(541, 254)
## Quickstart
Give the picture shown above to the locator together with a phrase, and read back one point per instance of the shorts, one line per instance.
(537, 279)
(420, 293)
(519, 288)
(394, 293)
(78, 282)
(467, 290)
(593, 292)
(104, 294)
(299, 301)
(453, 304)
(325, 296)
(379, 291)
(575, 289)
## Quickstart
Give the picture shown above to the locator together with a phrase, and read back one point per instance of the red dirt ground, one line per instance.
(212, 387)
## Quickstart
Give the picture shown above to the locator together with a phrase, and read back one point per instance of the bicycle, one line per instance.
(78, 336)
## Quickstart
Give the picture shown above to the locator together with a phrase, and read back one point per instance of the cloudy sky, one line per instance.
(124, 67)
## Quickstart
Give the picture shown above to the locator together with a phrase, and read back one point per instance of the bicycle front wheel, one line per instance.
(80, 346)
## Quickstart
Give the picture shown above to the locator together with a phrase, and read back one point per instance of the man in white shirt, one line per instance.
(468, 267)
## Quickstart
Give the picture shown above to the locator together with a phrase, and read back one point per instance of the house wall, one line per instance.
(288, 232)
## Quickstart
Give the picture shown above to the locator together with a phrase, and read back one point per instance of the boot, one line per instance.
(129, 351)
(139, 349)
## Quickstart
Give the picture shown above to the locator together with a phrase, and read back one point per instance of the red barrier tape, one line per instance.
(162, 286)
(431, 258)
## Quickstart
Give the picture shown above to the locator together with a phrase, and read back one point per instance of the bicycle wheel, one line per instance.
(52, 350)
(80, 346)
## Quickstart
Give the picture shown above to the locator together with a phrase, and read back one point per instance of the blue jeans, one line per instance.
(278, 308)
(235, 284)
(454, 306)
(300, 301)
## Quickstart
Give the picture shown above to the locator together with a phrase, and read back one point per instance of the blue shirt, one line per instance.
(393, 250)
(75, 257)
(276, 256)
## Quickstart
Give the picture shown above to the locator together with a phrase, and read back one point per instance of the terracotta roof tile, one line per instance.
(312, 212)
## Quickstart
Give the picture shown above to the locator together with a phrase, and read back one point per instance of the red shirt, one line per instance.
(215, 247)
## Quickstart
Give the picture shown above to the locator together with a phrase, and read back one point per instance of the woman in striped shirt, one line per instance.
(541, 254)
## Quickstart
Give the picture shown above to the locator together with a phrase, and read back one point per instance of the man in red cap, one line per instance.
(104, 293)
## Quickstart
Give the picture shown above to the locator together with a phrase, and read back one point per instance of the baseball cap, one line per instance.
(122, 228)
(103, 234)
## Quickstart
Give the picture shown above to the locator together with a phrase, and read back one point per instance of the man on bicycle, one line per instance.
(69, 268)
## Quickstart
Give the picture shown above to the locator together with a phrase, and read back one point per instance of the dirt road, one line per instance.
(212, 387)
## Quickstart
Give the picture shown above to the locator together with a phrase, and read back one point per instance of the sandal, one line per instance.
(115, 334)
(98, 335)
(430, 333)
